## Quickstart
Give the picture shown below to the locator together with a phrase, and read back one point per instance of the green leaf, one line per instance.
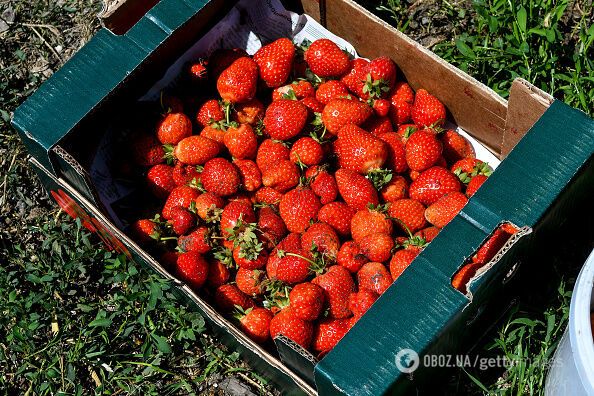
(162, 343)
(522, 16)
(465, 49)
(100, 322)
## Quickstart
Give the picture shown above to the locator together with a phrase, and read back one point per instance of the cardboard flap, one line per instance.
(296, 358)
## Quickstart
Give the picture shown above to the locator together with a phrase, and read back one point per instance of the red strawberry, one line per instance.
(275, 61)
(445, 208)
(456, 146)
(271, 226)
(328, 333)
(488, 250)
(356, 78)
(340, 112)
(145, 230)
(196, 150)
(147, 151)
(292, 268)
(361, 301)
(214, 132)
(249, 281)
(205, 204)
(331, 89)
(238, 82)
(221, 59)
(282, 176)
(377, 125)
(209, 112)
(401, 260)
(396, 189)
(474, 184)
(241, 142)
(270, 152)
(382, 70)
(463, 276)
(291, 243)
(368, 221)
(428, 234)
(268, 196)
(228, 296)
(192, 269)
(427, 110)
(250, 112)
(180, 196)
(255, 322)
(220, 177)
(356, 190)
(297, 90)
(358, 150)
(251, 178)
(199, 71)
(306, 151)
(298, 207)
(320, 238)
(433, 184)
(312, 104)
(218, 274)
(174, 127)
(401, 99)
(338, 215)
(396, 152)
(231, 214)
(292, 327)
(381, 107)
(325, 59)
(409, 213)
(377, 247)
(182, 220)
(197, 241)
(350, 256)
(470, 165)
(338, 285)
(160, 180)
(184, 174)
(405, 131)
(322, 184)
(422, 150)
(250, 258)
(284, 119)
(307, 301)
(375, 277)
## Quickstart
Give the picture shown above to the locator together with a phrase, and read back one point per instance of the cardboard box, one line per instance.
(545, 178)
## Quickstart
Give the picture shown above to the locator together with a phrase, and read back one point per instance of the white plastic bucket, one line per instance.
(572, 369)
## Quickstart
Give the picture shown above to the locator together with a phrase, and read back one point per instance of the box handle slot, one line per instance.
(120, 15)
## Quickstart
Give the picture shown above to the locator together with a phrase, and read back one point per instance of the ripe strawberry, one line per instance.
(338, 215)
(401, 99)
(356, 78)
(396, 152)
(209, 112)
(249, 257)
(322, 183)
(268, 196)
(284, 119)
(381, 107)
(147, 151)
(307, 301)
(184, 174)
(205, 204)
(288, 324)
(427, 110)
(488, 249)
(422, 150)
(350, 256)
(331, 89)
(306, 151)
(320, 238)
(470, 166)
(358, 150)
(463, 276)
(401, 260)
(328, 333)
(241, 142)
(271, 226)
(270, 152)
(445, 208)
(238, 82)
(298, 207)
(192, 269)
(250, 112)
(291, 243)
(160, 180)
(361, 301)
(356, 190)
(325, 59)
(405, 131)
(241, 197)
(456, 146)
(221, 59)
(377, 125)
(297, 90)
(433, 184)
(218, 274)
(275, 61)
(293, 268)
(428, 234)
(231, 214)
(375, 277)
(145, 230)
(409, 214)
(228, 296)
(382, 70)
(249, 281)
(474, 184)
(220, 177)
(197, 241)
(199, 72)
(174, 127)
(282, 176)
(312, 105)
(338, 285)
(180, 196)
(340, 112)
(377, 246)
(214, 132)
(251, 178)
(255, 322)
(182, 220)
(396, 189)
(368, 221)
(196, 150)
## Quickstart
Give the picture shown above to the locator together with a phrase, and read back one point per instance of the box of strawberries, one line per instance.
(327, 197)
